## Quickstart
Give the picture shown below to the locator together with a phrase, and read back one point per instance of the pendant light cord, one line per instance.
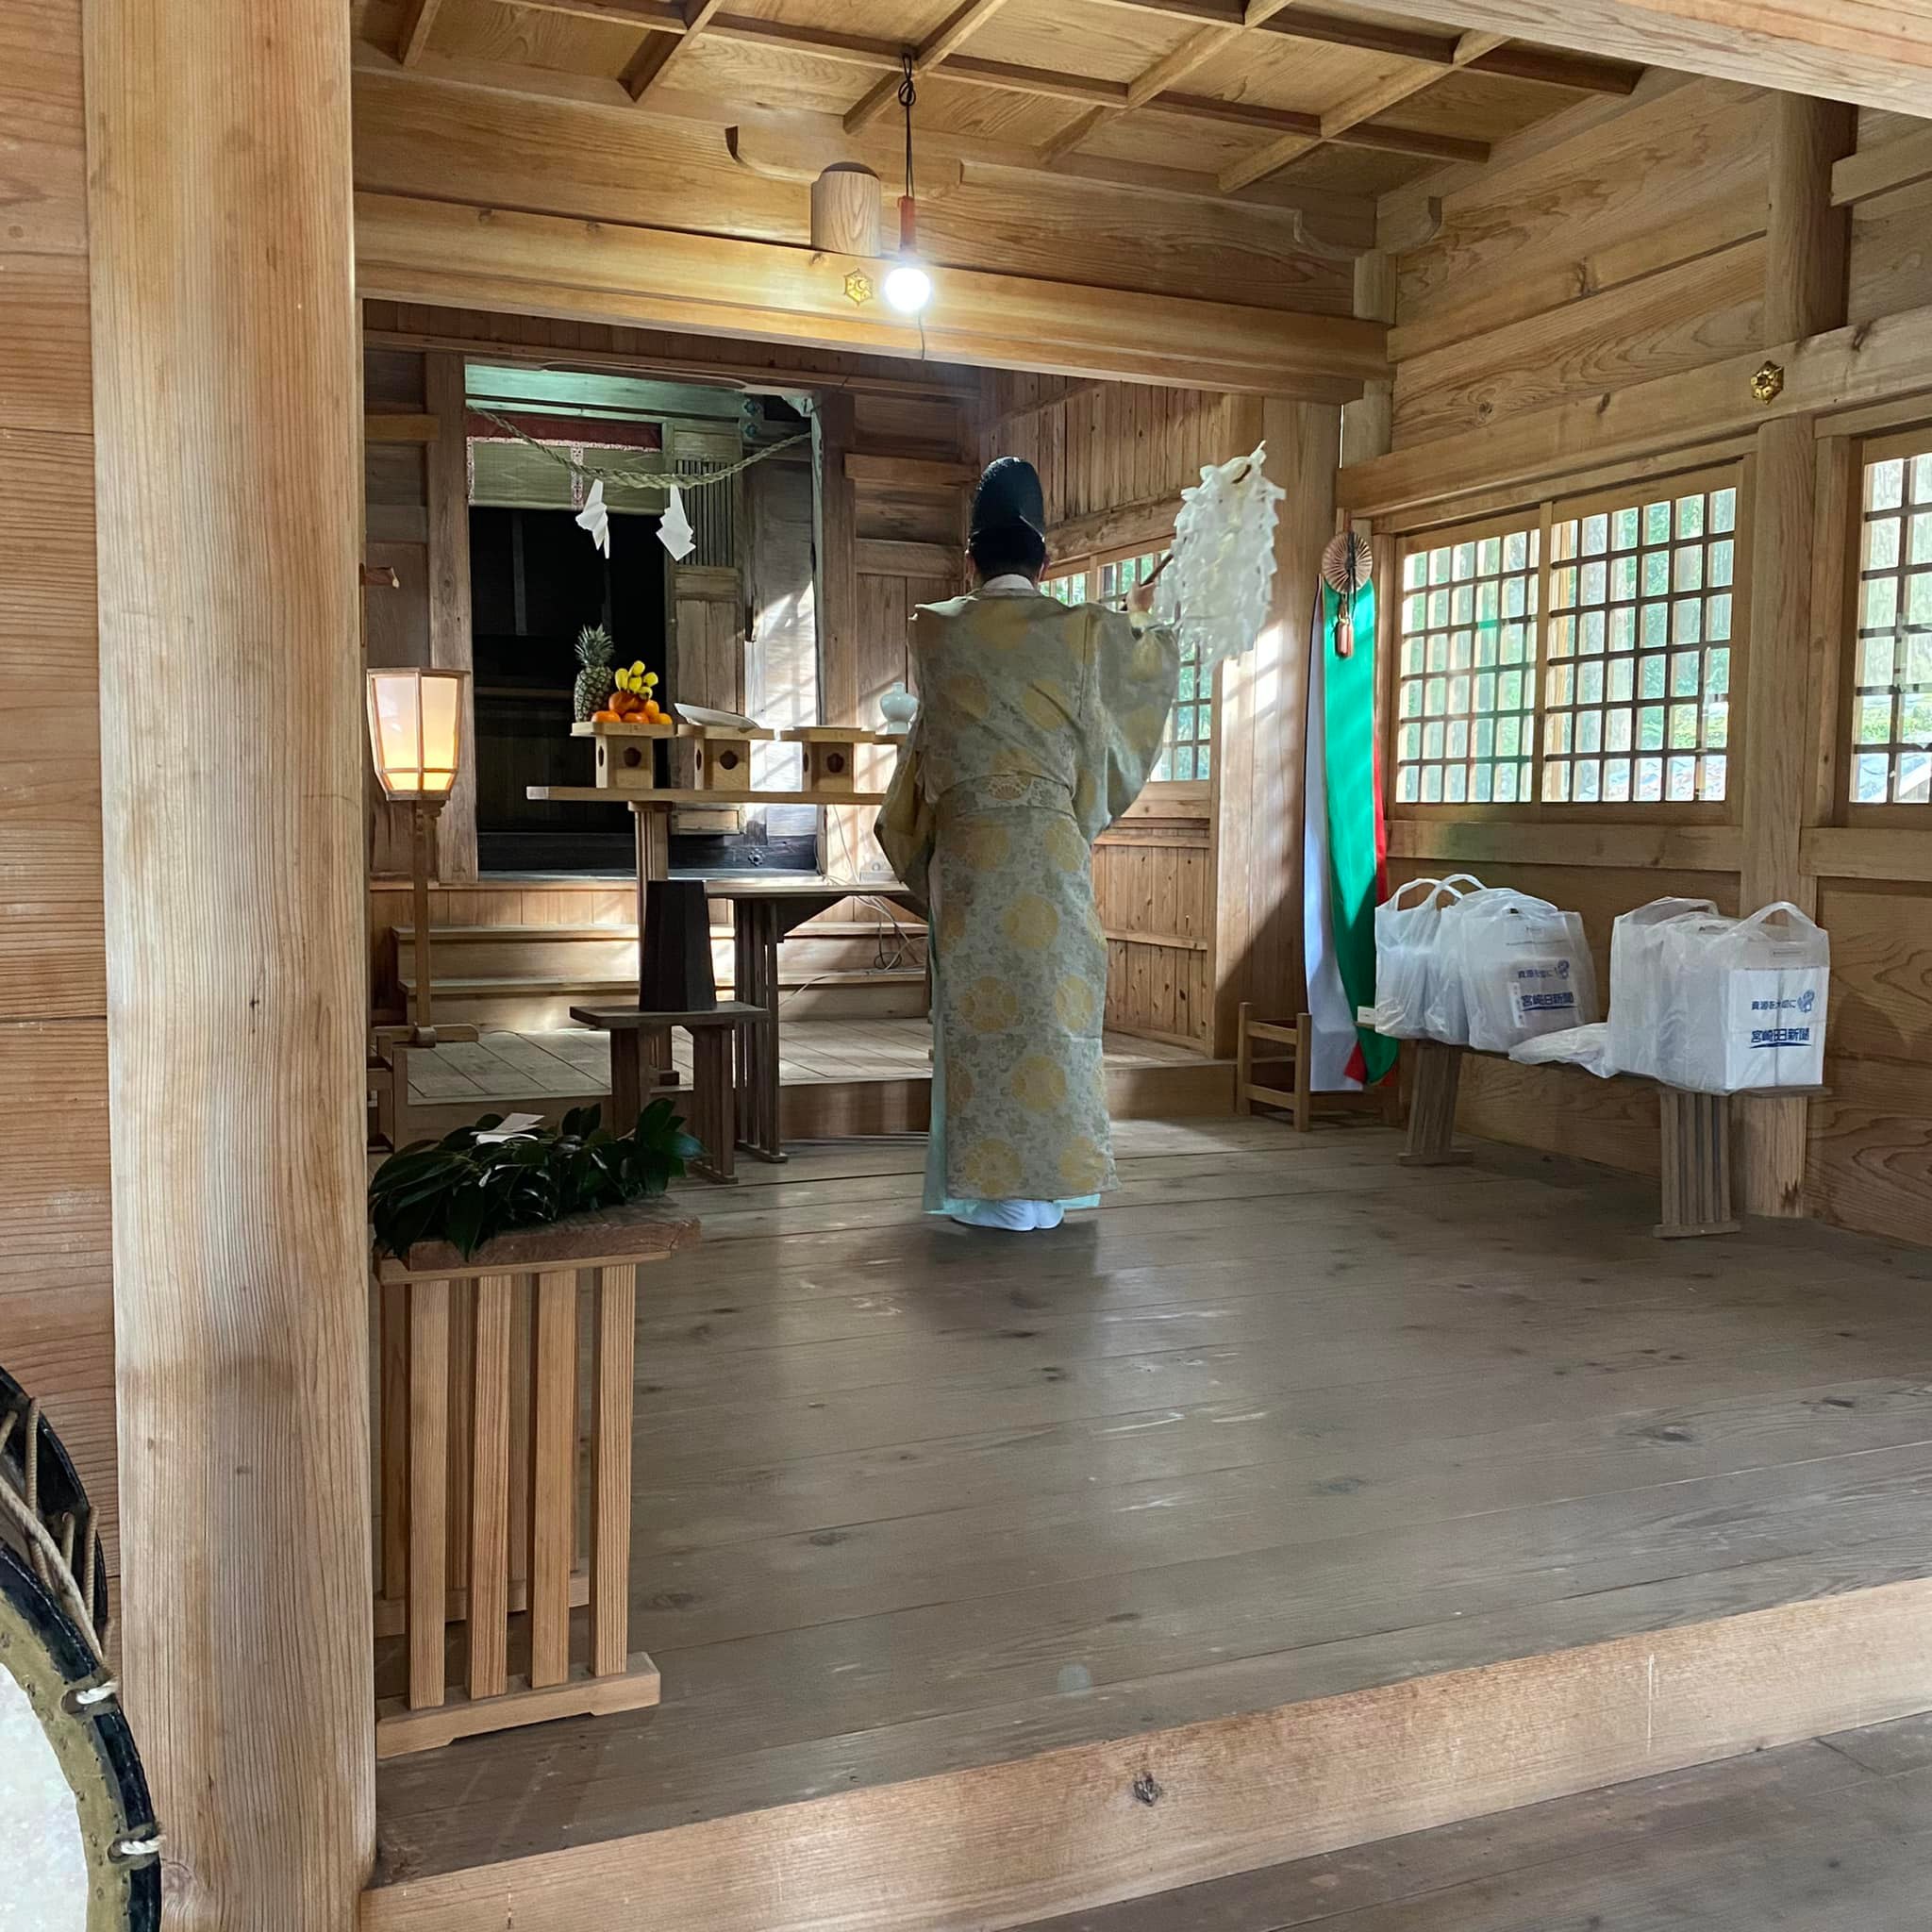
(909, 99)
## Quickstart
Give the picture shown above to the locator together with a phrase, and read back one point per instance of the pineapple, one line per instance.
(596, 680)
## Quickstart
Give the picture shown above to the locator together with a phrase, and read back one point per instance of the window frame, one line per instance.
(1845, 810)
(1541, 518)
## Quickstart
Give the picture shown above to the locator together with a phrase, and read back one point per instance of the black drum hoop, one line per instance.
(56, 1661)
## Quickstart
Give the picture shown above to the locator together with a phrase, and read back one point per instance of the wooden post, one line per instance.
(1257, 941)
(226, 392)
(1805, 293)
(1368, 424)
(451, 646)
(422, 861)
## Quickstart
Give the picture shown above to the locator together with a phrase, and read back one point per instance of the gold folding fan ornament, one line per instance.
(1347, 564)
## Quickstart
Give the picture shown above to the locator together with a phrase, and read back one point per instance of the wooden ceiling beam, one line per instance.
(798, 145)
(947, 38)
(1156, 86)
(1351, 115)
(1102, 99)
(1418, 42)
(1218, 12)
(829, 44)
(1154, 81)
(1866, 51)
(653, 16)
(414, 250)
(1313, 128)
(660, 53)
(412, 35)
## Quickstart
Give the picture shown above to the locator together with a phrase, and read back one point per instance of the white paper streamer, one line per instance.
(1215, 592)
(594, 518)
(674, 528)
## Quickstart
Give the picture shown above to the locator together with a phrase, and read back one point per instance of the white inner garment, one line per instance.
(43, 1881)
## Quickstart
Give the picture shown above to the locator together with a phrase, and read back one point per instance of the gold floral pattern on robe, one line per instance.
(1038, 724)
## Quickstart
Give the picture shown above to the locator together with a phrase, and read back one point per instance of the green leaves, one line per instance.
(466, 1190)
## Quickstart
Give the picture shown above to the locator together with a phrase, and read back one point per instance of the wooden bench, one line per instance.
(1694, 1154)
(640, 1054)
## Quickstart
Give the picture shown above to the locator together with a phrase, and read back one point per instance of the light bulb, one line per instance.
(908, 288)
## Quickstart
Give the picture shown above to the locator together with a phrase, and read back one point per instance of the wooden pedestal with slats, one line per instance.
(481, 1363)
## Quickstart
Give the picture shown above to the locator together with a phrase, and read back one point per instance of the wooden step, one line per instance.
(835, 1110)
(1070, 1830)
(536, 1003)
(608, 952)
(1833, 1831)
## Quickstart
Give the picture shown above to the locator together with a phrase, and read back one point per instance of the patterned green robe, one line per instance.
(1038, 725)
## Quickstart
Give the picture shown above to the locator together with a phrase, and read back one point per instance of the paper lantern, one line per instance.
(416, 730)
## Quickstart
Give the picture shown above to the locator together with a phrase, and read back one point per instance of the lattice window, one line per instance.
(1465, 698)
(1891, 692)
(1637, 682)
(1187, 750)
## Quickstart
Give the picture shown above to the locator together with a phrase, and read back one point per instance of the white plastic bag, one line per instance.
(1745, 1002)
(1637, 993)
(1524, 965)
(1408, 959)
(1576, 1046)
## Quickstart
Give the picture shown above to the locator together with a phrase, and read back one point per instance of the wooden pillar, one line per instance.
(226, 399)
(1805, 293)
(837, 605)
(1368, 424)
(451, 642)
(1257, 940)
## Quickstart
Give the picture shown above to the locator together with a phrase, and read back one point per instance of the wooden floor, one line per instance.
(1282, 1421)
(576, 1062)
(1833, 1833)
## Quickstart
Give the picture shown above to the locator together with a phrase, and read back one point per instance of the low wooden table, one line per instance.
(764, 910)
(478, 1403)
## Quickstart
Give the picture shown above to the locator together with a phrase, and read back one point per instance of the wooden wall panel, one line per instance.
(1680, 318)
(1154, 889)
(1891, 253)
(1667, 168)
(1881, 957)
(56, 1315)
(1113, 458)
(1871, 1143)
